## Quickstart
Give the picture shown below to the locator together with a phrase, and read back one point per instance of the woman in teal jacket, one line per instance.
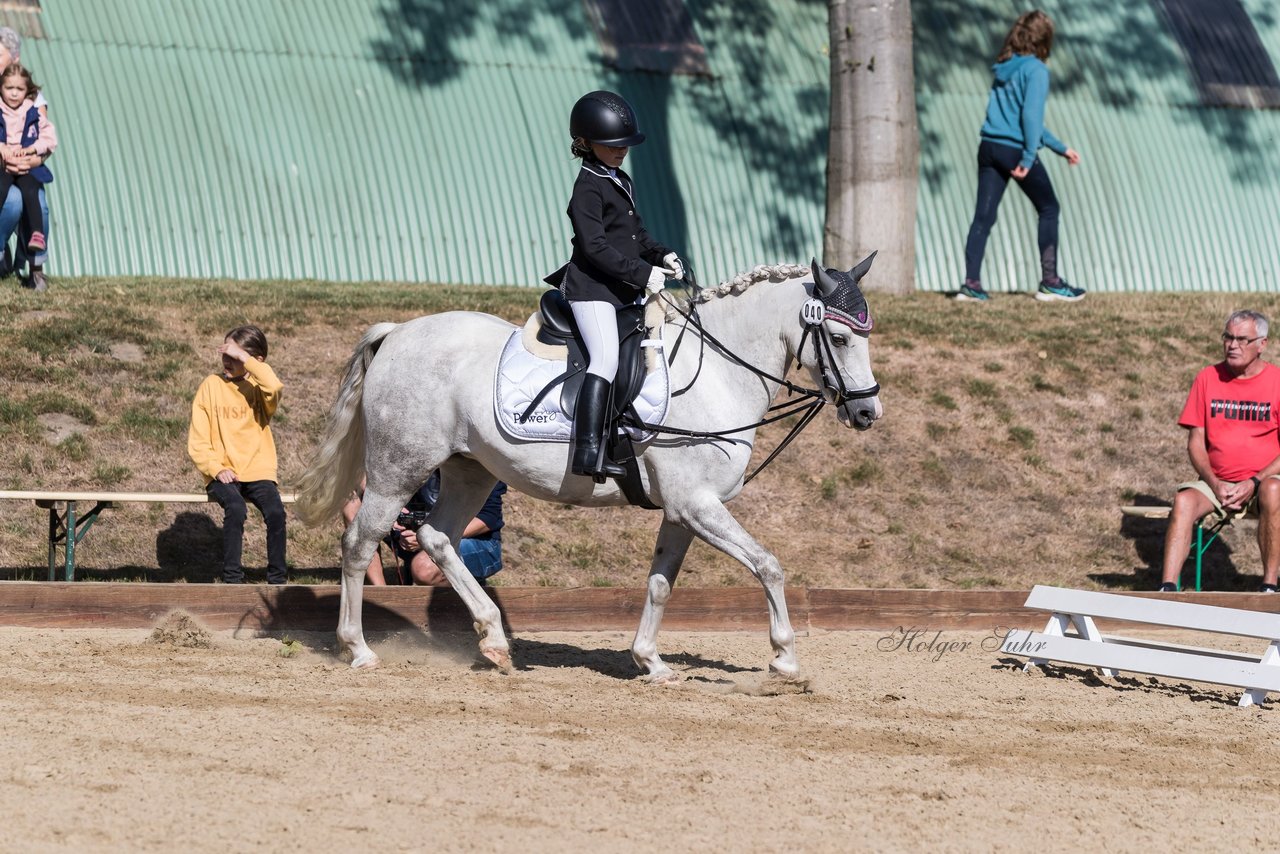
(1012, 136)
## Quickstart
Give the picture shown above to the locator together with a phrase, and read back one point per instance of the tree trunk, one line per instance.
(872, 153)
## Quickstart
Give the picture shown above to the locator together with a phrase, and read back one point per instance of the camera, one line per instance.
(411, 519)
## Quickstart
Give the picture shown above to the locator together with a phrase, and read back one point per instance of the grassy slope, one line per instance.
(1012, 433)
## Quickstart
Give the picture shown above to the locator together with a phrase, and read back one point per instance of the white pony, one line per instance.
(419, 396)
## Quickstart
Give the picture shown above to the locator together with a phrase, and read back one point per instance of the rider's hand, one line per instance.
(675, 264)
(657, 280)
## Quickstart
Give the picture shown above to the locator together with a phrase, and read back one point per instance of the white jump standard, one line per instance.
(1257, 674)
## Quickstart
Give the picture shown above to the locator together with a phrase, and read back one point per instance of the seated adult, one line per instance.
(1232, 416)
(480, 547)
(11, 205)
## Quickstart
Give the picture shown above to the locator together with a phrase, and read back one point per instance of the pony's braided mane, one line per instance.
(742, 281)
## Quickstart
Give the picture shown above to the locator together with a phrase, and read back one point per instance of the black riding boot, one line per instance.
(588, 425)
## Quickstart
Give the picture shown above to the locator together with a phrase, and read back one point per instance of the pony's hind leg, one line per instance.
(487, 619)
(358, 545)
(712, 522)
(668, 554)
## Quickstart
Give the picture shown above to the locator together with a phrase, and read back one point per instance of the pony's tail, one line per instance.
(336, 470)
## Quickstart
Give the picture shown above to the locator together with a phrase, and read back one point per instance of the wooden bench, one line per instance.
(1257, 674)
(1204, 535)
(70, 527)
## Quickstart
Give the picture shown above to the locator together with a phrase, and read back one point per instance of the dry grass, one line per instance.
(1013, 431)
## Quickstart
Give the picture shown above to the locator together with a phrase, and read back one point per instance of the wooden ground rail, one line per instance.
(1257, 674)
(1201, 544)
(70, 527)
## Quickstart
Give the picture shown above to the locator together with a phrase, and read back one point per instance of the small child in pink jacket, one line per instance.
(26, 132)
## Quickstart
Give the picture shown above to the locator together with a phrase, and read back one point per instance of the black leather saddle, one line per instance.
(559, 329)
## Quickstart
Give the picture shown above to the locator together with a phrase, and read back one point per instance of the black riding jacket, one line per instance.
(612, 252)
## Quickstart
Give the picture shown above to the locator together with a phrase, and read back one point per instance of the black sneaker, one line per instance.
(1168, 587)
(1267, 588)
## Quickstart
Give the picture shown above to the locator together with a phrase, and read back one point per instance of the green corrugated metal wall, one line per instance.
(1170, 195)
(425, 140)
(418, 139)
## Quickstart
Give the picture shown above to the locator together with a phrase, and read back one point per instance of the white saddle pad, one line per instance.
(521, 375)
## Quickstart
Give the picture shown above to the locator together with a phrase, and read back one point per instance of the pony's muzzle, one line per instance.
(860, 414)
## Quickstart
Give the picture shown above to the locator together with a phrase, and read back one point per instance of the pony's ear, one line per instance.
(823, 285)
(862, 267)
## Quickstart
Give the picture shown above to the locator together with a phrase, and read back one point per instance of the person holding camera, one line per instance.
(480, 547)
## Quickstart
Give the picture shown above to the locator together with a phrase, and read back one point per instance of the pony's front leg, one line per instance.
(356, 554)
(668, 554)
(713, 523)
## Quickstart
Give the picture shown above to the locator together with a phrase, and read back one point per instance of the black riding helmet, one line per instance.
(605, 118)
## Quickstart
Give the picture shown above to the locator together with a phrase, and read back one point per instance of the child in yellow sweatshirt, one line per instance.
(230, 442)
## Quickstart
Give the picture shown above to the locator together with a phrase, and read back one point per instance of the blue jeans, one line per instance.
(482, 558)
(11, 218)
(995, 165)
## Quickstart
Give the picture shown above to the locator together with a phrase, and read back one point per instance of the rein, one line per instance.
(812, 400)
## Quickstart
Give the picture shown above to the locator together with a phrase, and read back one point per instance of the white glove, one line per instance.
(657, 280)
(674, 262)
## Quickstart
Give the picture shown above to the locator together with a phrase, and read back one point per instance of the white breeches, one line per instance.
(598, 323)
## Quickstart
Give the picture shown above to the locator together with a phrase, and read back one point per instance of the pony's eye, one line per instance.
(839, 340)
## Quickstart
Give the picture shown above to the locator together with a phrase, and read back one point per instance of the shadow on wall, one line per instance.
(1121, 54)
(782, 145)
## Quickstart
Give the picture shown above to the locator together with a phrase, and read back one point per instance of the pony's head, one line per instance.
(835, 345)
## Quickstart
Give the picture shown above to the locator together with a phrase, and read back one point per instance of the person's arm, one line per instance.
(46, 142)
(475, 528)
(587, 216)
(1033, 101)
(1198, 453)
(20, 163)
(651, 250)
(1253, 484)
(200, 446)
(1230, 495)
(260, 374)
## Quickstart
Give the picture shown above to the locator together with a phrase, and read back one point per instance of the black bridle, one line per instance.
(811, 399)
(821, 346)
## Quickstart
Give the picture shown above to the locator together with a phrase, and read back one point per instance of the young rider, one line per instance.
(614, 261)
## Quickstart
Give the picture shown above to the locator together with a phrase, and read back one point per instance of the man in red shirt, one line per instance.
(1233, 421)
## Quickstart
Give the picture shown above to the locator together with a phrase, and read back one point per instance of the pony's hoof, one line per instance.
(501, 658)
(366, 662)
(664, 677)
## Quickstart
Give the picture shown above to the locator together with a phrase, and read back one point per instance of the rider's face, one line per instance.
(610, 155)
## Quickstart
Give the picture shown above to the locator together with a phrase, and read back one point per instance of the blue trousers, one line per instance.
(11, 219)
(995, 165)
(483, 557)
